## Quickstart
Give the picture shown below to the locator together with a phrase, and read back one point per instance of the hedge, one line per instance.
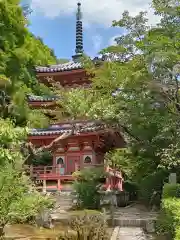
(169, 218)
(171, 190)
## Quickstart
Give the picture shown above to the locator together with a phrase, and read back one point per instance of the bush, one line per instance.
(87, 195)
(86, 187)
(177, 234)
(152, 184)
(25, 210)
(132, 188)
(90, 174)
(169, 217)
(87, 226)
(171, 190)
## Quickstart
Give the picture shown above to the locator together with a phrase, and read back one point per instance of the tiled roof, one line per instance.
(34, 98)
(60, 129)
(109, 57)
(60, 67)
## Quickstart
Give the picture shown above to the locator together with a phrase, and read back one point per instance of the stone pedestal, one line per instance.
(44, 186)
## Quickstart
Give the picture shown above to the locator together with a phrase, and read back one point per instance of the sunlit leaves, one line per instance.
(147, 106)
(77, 102)
(9, 135)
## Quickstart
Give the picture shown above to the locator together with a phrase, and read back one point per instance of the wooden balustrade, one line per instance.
(54, 172)
(47, 172)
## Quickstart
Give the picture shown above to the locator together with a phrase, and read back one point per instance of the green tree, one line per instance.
(19, 200)
(139, 92)
(20, 52)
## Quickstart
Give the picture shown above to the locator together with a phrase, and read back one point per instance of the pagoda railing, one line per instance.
(56, 171)
(35, 171)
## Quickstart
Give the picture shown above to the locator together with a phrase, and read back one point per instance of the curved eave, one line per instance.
(48, 132)
(65, 67)
(59, 67)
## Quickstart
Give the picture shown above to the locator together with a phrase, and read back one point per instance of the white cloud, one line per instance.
(97, 42)
(102, 11)
(112, 41)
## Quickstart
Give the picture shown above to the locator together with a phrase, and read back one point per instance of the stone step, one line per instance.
(128, 233)
(147, 224)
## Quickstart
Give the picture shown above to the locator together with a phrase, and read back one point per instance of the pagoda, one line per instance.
(78, 151)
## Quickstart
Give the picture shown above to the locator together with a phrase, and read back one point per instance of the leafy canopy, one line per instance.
(139, 92)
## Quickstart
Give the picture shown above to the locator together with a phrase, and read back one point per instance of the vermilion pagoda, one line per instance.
(77, 151)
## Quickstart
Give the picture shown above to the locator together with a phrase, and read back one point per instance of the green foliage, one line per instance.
(132, 188)
(87, 226)
(121, 158)
(169, 218)
(147, 106)
(19, 201)
(86, 187)
(45, 159)
(90, 173)
(177, 234)
(27, 208)
(11, 134)
(20, 52)
(62, 60)
(87, 195)
(10, 141)
(150, 187)
(171, 190)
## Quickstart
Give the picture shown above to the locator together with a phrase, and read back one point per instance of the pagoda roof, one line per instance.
(35, 98)
(69, 66)
(63, 128)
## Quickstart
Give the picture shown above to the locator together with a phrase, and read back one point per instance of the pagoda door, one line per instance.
(72, 164)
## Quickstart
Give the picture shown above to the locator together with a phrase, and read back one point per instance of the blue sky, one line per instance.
(59, 33)
(54, 22)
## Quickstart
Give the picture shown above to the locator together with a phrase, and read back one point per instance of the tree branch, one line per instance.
(33, 153)
(56, 141)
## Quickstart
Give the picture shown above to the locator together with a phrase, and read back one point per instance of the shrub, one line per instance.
(87, 195)
(169, 217)
(171, 190)
(177, 234)
(90, 174)
(151, 184)
(132, 188)
(86, 187)
(25, 210)
(87, 226)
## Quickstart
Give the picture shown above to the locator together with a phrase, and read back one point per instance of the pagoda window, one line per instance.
(60, 160)
(87, 159)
